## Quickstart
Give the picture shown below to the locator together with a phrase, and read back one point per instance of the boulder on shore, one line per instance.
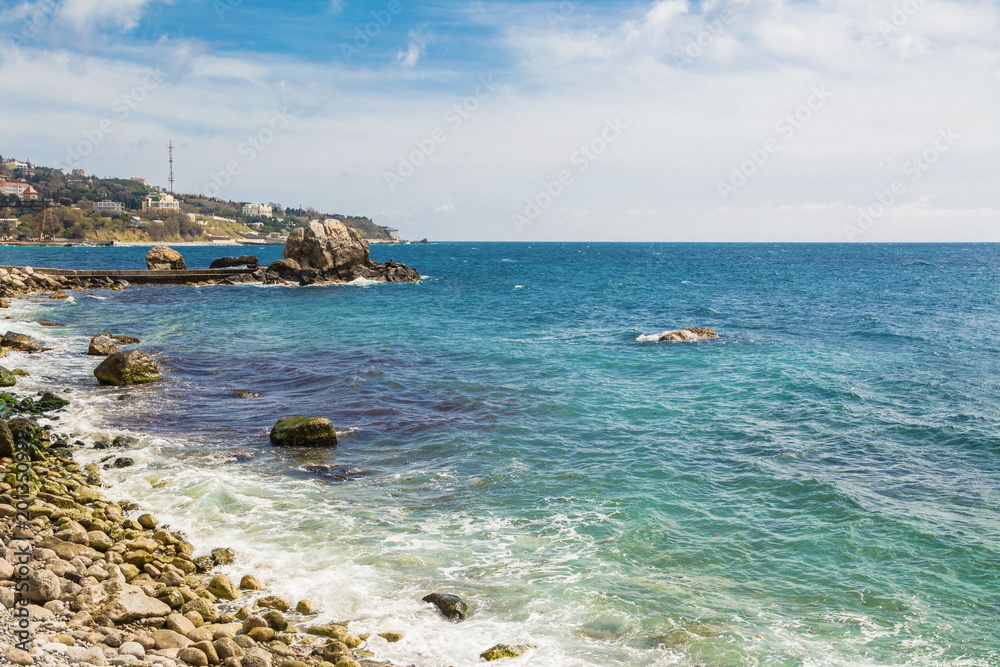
(125, 368)
(162, 258)
(304, 432)
(331, 251)
(249, 261)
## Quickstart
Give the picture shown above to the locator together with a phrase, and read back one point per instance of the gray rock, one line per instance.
(102, 346)
(79, 654)
(162, 258)
(133, 649)
(43, 586)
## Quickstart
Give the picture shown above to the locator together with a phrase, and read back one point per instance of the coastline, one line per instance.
(105, 583)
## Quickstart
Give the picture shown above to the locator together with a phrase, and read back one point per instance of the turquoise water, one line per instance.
(818, 487)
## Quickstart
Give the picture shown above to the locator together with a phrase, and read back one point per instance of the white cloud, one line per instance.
(86, 15)
(689, 123)
(415, 48)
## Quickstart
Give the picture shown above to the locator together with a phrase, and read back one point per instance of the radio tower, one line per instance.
(171, 179)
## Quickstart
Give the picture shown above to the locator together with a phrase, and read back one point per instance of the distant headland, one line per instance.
(47, 205)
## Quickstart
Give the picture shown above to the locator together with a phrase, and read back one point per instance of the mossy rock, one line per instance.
(7, 378)
(304, 432)
(20, 372)
(127, 368)
(501, 651)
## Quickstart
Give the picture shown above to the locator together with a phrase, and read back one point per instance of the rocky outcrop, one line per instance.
(329, 251)
(125, 368)
(162, 258)
(249, 261)
(304, 432)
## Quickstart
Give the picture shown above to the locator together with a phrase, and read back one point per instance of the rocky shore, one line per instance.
(323, 252)
(85, 580)
(88, 581)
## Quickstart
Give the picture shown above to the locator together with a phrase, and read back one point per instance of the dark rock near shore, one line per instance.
(331, 251)
(123, 340)
(249, 261)
(304, 432)
(286, 269)
(162, 258)
(18, 341)
(451, 606)
(126, 368)
(102, 346)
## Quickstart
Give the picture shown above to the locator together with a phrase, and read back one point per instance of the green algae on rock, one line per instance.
(127, 368)
(304, 432)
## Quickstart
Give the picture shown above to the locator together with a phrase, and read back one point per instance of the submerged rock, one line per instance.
(501, 651)
(304, 432)
(451, 606)
(162, 258)
(126, 368)
(245, 393)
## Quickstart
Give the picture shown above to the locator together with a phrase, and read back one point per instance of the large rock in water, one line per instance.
(333, 251)
(304, 432)
(123, 368)
(162, 258)
(689, 334)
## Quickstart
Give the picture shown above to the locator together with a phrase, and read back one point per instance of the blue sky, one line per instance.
(759, 120)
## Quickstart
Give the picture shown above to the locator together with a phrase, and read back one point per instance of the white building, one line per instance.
(22, 190)
(109, 207)
(161, 202)
(257, 209)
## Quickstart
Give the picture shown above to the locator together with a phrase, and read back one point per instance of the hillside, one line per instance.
(72, 214)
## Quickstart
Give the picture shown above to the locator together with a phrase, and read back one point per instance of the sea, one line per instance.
(818, 486)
